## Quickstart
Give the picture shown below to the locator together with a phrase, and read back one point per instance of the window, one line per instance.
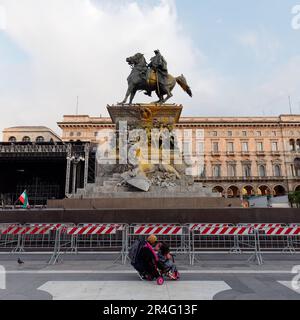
(260, 146)
(187, 148)
(71, 134)
(202, 171)
(40, 139)
(292, 145)
(262, 171)
(217, 171)
(230, 147)
(247, 170)
(200, 147)
(215, 146)
(231, 170)
(26, 139)
(245, 147)
(258, 133)
(298, 145)
(229, 133)
(274, 146)
(12, 139)
(214, 133)
(274, 134)
(78, 134)
(277, 170)
(297, 167)
(244, 133)
(292, 170)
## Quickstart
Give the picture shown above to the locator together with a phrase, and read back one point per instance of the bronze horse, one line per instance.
(144, 79)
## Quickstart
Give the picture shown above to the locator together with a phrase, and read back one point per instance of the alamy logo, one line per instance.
(2, 17)
(2, 278)
(152, 147)
(296, 18)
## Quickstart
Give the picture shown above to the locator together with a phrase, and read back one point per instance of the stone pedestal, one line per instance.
(145, 115)
(144, 178)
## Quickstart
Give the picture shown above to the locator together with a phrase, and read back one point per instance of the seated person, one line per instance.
(165, 259)
(149, 259)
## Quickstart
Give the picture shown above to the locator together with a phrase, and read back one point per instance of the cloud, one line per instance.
(79, 49)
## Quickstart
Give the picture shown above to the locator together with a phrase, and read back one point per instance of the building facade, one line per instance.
(242, 155)
(29, 134)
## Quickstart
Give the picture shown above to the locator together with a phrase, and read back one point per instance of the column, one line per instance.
(68, 171)
(86, 164)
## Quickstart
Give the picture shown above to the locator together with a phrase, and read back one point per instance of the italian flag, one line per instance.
(24, 200)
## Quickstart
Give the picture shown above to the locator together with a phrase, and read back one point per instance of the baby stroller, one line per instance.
(146, 263)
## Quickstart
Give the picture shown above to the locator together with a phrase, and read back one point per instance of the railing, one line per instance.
(33, 148)
(190, 240)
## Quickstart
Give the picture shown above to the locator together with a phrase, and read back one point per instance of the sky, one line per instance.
(239, 57)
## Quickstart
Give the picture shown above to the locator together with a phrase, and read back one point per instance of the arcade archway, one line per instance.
(248, 191)
(218, 189)
(233, 192)
(279, 191)
(264, 191)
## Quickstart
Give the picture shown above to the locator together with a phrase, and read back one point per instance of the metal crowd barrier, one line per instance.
(191, 239)
(92, 237)
(256, 226)
(39, 236)
(10, 237)
(19, 238)
(223, 238)
(283, 239)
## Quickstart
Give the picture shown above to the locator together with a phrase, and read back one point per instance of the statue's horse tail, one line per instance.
(181, 80)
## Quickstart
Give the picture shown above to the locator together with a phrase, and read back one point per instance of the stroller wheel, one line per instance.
(160, 281)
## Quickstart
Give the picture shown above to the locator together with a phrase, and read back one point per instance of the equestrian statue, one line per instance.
(152, 77)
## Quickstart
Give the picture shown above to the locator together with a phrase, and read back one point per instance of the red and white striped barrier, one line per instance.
(283, 231)
(158, 229)
(294, 225)
(6, 226)
(119, 227)
(198, 226)
(261, 226)
(211, 231)
(92, 230)
(29, 230)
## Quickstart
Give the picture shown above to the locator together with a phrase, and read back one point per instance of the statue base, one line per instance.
(145, 115)
(145, 179)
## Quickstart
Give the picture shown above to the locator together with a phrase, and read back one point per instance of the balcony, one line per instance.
(260, 153)
(216, 153)
(275, 153)
(245, 153)
(230, 154)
